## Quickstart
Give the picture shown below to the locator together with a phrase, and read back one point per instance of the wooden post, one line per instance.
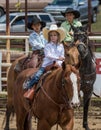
(0, 71)
(26, 15)
(89, 15)
(7, 33)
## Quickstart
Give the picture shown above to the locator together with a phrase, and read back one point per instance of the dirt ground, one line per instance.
(94, 119)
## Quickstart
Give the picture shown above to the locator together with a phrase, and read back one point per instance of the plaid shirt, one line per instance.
(37, 41)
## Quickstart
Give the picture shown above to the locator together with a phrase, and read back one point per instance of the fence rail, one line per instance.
(26, 48)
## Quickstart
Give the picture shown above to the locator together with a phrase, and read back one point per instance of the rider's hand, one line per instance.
(71, 33)
(61, 58)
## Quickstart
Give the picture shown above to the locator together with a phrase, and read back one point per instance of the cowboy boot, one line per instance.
(29, 94)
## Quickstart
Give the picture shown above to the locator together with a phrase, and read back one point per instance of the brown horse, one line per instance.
(52, 103)
(21, 64)
(17, 66)
(72, 55)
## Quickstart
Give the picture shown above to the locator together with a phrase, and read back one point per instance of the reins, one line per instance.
(60, 106)
(49, 97)
(54, 102)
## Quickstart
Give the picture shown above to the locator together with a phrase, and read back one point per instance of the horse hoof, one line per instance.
(86, 127)
(6, 128)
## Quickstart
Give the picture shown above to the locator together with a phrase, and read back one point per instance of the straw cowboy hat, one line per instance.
(35, 21)
(71, 10)
(54, 27)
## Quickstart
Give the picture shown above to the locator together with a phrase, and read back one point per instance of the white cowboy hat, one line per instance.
(54, 27)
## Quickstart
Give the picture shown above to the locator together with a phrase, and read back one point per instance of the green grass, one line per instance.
(96, 27)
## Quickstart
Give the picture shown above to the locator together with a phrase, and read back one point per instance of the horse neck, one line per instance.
(54, 90)
(87, 63)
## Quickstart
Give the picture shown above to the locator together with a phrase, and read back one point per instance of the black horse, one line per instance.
(87, 68)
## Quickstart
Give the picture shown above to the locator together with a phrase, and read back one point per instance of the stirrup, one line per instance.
(29, 94)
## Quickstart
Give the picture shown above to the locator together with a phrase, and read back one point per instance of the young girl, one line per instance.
(54, 52)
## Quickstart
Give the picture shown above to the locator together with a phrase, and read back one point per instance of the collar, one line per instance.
(74, 21)
(37, 33)
(54, 44)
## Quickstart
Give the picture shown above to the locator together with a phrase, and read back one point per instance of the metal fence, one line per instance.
(92, 38)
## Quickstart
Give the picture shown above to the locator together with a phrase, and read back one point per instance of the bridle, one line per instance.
(66, 99)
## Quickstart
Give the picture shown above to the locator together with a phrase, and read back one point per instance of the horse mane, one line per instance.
(90, 50)
(55, 74)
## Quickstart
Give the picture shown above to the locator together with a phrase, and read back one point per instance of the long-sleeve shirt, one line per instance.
(37, 41)
(66, 25)
(52, 53)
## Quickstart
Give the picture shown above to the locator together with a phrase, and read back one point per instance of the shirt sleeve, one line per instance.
(62, 51)
(66, 28)
(34, 42)
(79, 24)
(48, 54)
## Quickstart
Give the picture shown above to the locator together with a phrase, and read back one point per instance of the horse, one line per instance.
(18, 66)
(87, 68)
(53, 102)
(71, 55)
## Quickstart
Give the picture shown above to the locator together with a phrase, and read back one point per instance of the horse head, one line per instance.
(80, 33)
(81, 39)
(71, 83)
(80, 48)
(71, 55)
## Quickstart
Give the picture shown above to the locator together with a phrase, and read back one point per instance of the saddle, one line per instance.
(30, 93)
(33, 60)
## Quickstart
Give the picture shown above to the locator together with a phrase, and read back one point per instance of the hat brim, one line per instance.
(59, 30)
(75, 12)
(29, 25)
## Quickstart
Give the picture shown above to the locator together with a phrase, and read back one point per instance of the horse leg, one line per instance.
(9, 110)
(86, 101)
(68, 122)
(43, 125)
(27, 123)
(70, 125)
(21, 119)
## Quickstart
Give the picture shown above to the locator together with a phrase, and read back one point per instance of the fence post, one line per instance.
(26, 46)
(0, 71)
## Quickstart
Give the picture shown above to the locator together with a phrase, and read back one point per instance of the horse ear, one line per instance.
(63, 66)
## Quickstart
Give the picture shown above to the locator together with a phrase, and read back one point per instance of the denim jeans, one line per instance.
(36, 77)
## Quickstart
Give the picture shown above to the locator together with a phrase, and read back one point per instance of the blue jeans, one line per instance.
(36, 77)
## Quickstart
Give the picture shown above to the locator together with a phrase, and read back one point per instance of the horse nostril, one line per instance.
(73, 64)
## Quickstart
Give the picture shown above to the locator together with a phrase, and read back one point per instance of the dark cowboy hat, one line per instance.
(71, 10)
(35, 21)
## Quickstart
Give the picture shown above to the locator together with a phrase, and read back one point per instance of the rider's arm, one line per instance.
(50, 55)
(35, 42)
